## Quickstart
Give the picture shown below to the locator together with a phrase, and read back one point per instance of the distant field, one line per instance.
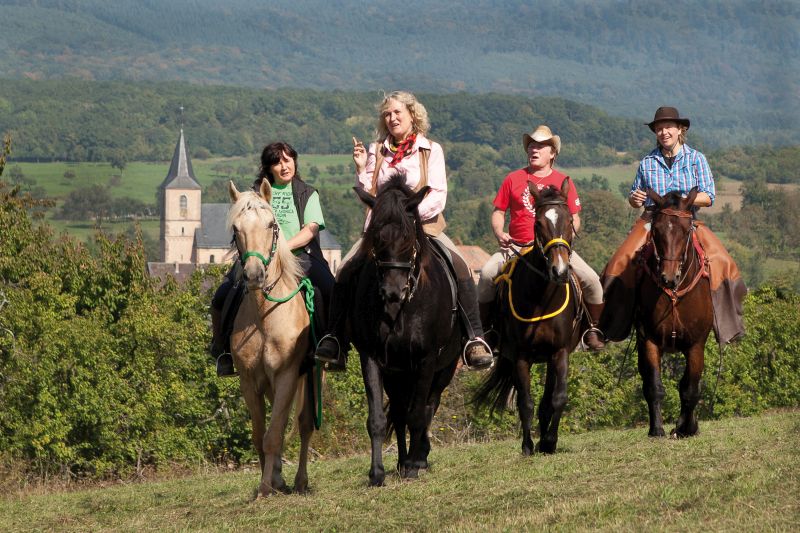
(140, 180)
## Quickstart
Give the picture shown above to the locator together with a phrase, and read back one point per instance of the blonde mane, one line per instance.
(250, 201)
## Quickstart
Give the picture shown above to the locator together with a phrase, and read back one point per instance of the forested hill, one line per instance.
(733, 66)
(77, 120)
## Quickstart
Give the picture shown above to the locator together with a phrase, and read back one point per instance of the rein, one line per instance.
(506, 276)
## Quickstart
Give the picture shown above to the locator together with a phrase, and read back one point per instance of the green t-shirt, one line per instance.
(286, 214)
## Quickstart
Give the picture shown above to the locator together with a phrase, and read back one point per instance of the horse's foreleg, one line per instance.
(689, 388)
(257, 408)
(652, 387)
(522, 382)
(419, 444)
(397, 413)
(271, 478)
(553, 401)
(376, 420)
(306, 426)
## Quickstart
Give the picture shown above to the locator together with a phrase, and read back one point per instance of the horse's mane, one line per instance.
(250, 201)
(390, 221)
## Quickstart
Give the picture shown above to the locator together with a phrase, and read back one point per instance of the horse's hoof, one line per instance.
(546, 447)
(657, 433)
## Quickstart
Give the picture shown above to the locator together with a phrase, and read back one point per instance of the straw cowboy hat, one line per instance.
(667, 113)
(542, 134)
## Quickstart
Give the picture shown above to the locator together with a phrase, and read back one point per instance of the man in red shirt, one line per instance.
(542, 148)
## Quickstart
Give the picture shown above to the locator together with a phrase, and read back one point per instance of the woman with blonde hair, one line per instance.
(402, 147)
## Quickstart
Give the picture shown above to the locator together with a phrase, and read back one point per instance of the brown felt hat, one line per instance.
(668, 113)
(542, 134)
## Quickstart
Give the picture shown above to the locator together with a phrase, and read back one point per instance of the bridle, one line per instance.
(555, 242)
(264, 260)
(681, 260)
(412, 278)
(676, 293)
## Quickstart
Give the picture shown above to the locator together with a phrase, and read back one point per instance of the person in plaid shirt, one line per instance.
(672, 166)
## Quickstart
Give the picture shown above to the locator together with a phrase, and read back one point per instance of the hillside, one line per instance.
(733, 66)
(739, 474)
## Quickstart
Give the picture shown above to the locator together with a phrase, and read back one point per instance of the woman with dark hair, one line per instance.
(299, 214)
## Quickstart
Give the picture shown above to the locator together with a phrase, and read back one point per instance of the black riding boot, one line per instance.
(477, 354)
(333, 347)
(224, 306)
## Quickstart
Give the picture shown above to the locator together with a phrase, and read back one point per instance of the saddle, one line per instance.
(445, 258)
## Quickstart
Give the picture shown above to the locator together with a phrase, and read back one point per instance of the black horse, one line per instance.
(404, 326)
(539, 321)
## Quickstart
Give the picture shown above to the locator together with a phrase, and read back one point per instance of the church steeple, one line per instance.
(181, 174)
(180, 205)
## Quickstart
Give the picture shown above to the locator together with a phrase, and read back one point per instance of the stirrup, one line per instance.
(326, 359)
(594, 329)
(464, 354)
(224, 370)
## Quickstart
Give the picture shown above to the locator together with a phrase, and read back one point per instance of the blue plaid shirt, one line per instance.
(689, 169)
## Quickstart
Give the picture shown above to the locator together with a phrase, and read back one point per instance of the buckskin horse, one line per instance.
(674, 312)
(539, 317)
(404, 327)
(270, 337)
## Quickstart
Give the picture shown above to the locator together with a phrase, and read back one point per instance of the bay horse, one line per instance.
(270, 338)
(539, 321)
(674, 311)
(404, 326)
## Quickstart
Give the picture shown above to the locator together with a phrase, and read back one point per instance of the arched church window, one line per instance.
(184, 206)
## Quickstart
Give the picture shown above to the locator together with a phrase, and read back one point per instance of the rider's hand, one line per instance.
(504, 239)
(637, 198)
(359, 155)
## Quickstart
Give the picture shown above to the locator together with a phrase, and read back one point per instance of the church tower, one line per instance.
(179, 200)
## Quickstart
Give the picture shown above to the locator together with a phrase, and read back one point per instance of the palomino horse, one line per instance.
(404, 327)
(539, 319)
(270, 337)
(674, 312)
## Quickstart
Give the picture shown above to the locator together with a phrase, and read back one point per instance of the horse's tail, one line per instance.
(497, 388)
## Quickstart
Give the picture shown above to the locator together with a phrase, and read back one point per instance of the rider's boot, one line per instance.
(594, 338)
(219, 347)
(477, 354)
(332, 348)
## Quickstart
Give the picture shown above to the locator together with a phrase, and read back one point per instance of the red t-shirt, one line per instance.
(514, 195)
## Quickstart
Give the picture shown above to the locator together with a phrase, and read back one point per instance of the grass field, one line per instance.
(739, 474)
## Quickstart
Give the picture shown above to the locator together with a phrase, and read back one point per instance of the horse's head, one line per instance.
(257, 236)
(553, 229)
(671, 234)
(394, 237)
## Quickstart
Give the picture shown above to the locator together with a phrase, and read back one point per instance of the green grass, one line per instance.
(615, 174)
(738, 474)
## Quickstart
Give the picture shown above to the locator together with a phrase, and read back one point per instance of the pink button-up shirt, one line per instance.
(434, 202)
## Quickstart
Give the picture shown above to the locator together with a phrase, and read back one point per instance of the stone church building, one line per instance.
(195, 234)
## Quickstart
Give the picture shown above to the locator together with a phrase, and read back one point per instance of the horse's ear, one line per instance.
(413, 202)
(534, 191)
(365, 197)
(265, 191)
(565, 188)
(690, 198)
(657, 199)
(233, 192)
